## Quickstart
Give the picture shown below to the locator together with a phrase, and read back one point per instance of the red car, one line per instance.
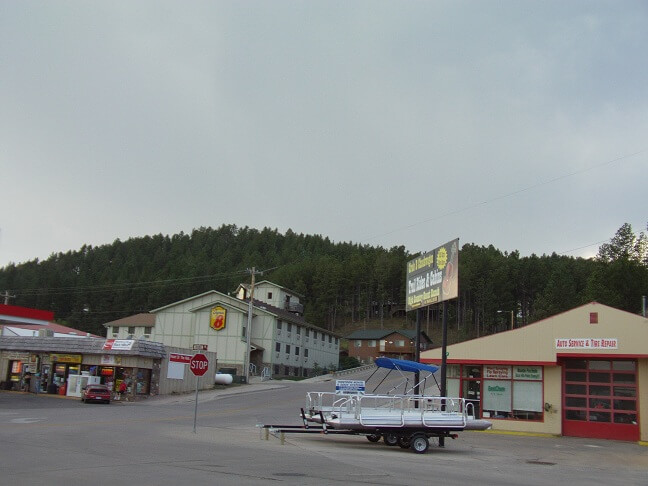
(95, 393)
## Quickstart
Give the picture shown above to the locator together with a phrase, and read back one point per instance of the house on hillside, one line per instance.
(137, 326)
(368, 344)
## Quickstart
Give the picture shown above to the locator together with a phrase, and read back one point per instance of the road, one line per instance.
(56, 441)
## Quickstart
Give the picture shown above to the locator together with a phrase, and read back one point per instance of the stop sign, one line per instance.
(199, 364)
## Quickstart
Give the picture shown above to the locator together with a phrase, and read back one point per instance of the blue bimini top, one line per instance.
(404, 365)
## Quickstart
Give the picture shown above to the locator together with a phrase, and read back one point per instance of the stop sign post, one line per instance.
(198, 365)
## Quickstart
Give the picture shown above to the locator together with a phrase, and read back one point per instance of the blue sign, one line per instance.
(350, 387)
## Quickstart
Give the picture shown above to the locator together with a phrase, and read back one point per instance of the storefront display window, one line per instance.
(499, 391)
(513, 392)
(142, 382)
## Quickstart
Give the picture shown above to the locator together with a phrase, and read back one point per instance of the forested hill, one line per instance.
(342, 283)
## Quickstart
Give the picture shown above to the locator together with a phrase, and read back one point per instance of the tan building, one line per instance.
(579, 373)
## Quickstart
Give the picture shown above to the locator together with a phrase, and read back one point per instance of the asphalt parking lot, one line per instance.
(51, 440)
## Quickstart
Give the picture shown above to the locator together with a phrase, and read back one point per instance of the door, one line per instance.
(600, 399)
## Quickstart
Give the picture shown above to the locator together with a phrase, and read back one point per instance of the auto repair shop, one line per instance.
(579, 373)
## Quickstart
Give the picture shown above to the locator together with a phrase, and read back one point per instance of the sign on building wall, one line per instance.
(176, 368)
(433, 277)
(218, 318)
(493, 371)
(65, 358)
(119, 344)
(587, 343)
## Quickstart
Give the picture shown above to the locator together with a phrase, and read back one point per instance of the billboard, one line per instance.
(433, 277)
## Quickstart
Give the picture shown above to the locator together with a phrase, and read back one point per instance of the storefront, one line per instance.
(578, 373)
(65, 365)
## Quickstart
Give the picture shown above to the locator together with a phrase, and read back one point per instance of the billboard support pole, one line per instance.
(417, 350)
(444, 357)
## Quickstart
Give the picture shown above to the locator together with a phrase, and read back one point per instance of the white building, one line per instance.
(282, 343)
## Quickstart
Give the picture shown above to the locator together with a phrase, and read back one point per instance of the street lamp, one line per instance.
(512, 321)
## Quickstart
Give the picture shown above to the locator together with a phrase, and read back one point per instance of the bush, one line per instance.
(347, 362)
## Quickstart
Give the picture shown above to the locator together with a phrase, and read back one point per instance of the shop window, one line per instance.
(142, 381)
(512, 392)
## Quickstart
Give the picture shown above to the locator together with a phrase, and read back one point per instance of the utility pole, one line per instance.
(7, 297)
(248, 330)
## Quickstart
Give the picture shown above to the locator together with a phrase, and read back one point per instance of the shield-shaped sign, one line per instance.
(218, 318)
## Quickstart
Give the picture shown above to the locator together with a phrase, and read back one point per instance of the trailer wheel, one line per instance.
(420, 443)
(404, 441)
(390, 439)
(373, 437)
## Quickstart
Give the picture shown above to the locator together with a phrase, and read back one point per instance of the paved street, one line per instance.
(57, 441)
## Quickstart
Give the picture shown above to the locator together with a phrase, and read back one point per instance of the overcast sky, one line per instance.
(518, 124)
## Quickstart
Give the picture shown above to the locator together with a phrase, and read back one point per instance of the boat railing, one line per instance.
(393, 408)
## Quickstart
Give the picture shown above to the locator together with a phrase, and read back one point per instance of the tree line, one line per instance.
(341, 283)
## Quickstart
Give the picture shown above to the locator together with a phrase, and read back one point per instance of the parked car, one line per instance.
(95, 393)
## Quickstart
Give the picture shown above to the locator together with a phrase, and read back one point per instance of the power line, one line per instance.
(504, 196)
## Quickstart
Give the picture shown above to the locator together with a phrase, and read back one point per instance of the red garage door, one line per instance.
(600, 399)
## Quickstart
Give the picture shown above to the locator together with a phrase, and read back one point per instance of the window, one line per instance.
(278, 347)
(336, 341)
(306, 353)
(306, 332)
(357, 343)
(278, 325)
(277, 370)
(287, 348)
(512, 392)
(296, 350)
(400, 343)
(243, 331)
(148, 330)
(131, 329)
(289, 328)
(269, 295)
(314, 334)
(372, 343)
(298, 330)
(330, 339)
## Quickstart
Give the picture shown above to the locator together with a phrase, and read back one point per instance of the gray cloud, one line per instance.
(387, 123)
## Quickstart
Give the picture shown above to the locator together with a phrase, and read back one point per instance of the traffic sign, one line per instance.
(199, 364)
